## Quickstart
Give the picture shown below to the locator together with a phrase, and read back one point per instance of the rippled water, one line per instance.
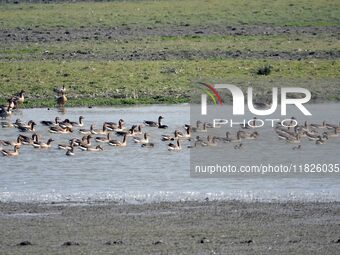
(133, 173)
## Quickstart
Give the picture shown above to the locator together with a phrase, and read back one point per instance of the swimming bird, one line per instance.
(238, 146)
(155, 124)
(247, 125)
(174, 146)
(323, 125)
(87, 131)
(211, 141)
(13, 153)
(298, 147)
(5, 112)
(50, 123)
(41, 145)
(117, 143)
(97, 148)
(143, 140)
(67, 146)
(105, 139)
(18, 142)
(29, 128)
(320, 140)
(80, 123)
(60, 130)
(170, 137)
(70, 152)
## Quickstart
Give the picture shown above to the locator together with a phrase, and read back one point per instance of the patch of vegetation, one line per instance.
(264, 70)
(129, 82)
(171, 13)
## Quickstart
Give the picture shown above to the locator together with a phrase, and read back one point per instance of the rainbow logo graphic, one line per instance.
(211, 92)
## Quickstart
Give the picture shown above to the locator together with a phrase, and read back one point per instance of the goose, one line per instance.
(78, 124)
(174, 146)
(321, 140)
(18, 142)
(102, 131)
(138, 131)
(332, 134)
(67, 146)
(169, 137)
(65, 124)
(295, 139)
(143, 140)
(111, 125)
(6, 124)
(203, 129)
(331, 126)
(13, 153)
(225, 139)
(237, 139)
(187, 134)
(60, 90)
(41, 145)
(103, 139)
(249, 136)
(130, 132)
(19, 99)
(50, 123)
(323, 125)
(155, 124)
(70, 152)
(10, 103)
(148, 145)
(97, 148)
(311, 136)
(118, 143)
(62, 99)
(27, 140)
(29, 128)
(210, 141)
(87, 131)
(121, 126)
(5, 112)
(85, 142)
(60, 130)
(247, 126)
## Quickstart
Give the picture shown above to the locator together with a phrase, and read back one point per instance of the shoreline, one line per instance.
(209, 227)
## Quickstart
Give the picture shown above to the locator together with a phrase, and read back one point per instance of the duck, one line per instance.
(80, 123)
(174, 146)
(105, 139)
(143, 140)
(117, 143)
(49, 123)
(155, 124)
(13, 153)
(62, 99)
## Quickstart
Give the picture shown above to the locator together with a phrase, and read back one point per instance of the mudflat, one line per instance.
(209, 227)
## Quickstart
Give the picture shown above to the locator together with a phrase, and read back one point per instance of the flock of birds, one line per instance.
(318, 133)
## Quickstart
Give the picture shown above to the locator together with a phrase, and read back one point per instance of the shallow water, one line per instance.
(135, 174)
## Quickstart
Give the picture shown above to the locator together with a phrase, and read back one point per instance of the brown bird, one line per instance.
(62, 100)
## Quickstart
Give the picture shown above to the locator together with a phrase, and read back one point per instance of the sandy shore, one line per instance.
(170, 228)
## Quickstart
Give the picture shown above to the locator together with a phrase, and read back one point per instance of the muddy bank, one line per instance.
(175, 55)
(171, 228)
(61, 34)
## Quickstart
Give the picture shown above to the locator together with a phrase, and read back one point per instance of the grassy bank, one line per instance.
(167, 13)
(106, 82)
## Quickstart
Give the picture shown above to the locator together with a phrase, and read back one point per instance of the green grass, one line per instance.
(150, 45)
(127, 82)
(172, 13)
